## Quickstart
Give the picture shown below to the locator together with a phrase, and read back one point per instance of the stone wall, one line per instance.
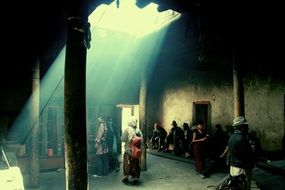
(171, 97)
(264, 105)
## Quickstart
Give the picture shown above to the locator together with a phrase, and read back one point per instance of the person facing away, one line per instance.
(199, 148)
(112, 142)
(131, 166)
(158, 138)
(101, 149)
(240, 155)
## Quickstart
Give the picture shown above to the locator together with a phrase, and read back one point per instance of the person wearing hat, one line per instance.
(239, 153)
(174, 137)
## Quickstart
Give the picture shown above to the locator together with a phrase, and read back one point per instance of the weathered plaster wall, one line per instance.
(264, 105)
(171, 98)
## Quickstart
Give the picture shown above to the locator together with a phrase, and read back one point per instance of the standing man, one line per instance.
(199, 140)
(240, 155)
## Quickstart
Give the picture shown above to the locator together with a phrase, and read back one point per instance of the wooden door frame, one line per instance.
(209, 109)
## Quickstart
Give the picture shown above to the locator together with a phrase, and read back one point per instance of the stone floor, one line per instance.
(164, 171)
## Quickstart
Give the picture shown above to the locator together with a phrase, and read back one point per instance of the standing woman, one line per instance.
(101, 149)
(198, 142)
(131, 166)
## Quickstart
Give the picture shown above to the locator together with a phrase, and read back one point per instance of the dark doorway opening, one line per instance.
(202, 112)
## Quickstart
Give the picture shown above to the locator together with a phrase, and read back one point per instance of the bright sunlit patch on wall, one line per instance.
(130, 19)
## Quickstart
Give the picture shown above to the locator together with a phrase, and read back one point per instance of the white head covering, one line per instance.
(132, 122)
(100, 119)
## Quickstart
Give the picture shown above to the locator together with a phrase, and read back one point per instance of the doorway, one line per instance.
(202, 112)
(127, 112)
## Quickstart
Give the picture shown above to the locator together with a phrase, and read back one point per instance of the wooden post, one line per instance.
(34, 138)
(142, 103)
(75, 97)
(238, 90)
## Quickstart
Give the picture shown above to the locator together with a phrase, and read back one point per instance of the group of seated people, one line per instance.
(209, 151)
(179, 138)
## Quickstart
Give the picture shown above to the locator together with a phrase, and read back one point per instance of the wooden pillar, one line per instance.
(142, 103)
(34, 137)
(238, 89)
(75, 97)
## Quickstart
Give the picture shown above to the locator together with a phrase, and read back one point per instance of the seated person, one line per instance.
(188, 133)
(158, 138)
(175, 137)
